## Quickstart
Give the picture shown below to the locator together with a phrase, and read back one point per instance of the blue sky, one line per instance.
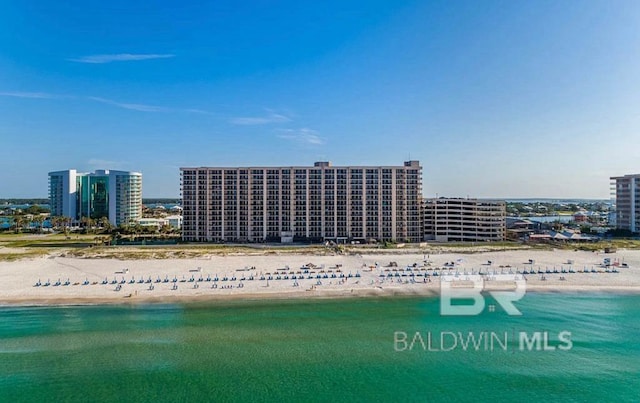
(495, 98)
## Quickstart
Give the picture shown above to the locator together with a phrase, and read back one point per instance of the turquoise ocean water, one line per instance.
(320, 350)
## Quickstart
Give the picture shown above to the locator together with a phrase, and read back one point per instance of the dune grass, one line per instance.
(20, 246)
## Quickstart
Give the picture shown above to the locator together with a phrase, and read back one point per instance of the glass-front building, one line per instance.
(93, 196)
(116, 195)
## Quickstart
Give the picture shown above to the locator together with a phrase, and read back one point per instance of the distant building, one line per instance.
(319, 203)
(464, 220)
(156, 223)
(580, 217)
(116, 195)
(626, 191)
(174, 221)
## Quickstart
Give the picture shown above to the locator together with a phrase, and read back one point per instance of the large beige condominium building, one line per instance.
(319, 203)
(626, 191)
(464, 220)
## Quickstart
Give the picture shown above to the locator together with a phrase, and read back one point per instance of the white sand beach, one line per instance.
(264, 276)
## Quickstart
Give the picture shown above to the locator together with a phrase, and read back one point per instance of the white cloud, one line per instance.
(304, 135)
(133, 107)
(121, 57)
(197, 111)
(147, 108)
(38, 95)
(124, 105)
(272, 117)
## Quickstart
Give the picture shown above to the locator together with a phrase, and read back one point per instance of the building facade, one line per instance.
(626, 191)
(116, 195)
(464, 220)
(319, 203)
(62, 193)
(174, 221)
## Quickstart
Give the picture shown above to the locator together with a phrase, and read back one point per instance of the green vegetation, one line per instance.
(15, 246)
(161, 201)
(551, 209)
(24, 201)
(600, 246)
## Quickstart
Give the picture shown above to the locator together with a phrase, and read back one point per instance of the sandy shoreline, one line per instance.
(340, 276)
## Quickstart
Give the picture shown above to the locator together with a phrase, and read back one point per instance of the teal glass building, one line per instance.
(116, 195)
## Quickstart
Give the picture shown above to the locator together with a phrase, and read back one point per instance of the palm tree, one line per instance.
(59, 221)
(165, 229)
(66, 221)
(92, 222)
(84, 222)
(18, 222)
(105, 224)
(39, 220)
(55, 222)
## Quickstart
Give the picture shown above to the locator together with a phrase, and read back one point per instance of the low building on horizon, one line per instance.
(116, 195)
(464, 220)
(173, 221)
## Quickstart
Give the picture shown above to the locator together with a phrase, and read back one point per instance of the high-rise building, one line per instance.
(62, 193)
(626, 191)
(319, 203)
(464, 220)
(116, 195)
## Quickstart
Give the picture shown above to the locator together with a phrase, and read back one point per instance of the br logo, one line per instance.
(456, 288)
